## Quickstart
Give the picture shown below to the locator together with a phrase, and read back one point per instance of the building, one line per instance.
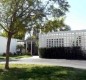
(63, 39)
(3, 44)
(31, 46)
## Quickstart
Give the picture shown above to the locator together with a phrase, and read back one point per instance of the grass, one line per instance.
(40, 72)
(20, 56)
(15, 57)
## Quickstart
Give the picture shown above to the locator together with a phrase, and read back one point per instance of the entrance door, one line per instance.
(34, 49)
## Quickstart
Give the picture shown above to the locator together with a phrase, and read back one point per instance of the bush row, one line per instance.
(62, 52)
(13, 54)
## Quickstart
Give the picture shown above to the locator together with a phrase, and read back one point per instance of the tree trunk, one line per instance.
(8, 50)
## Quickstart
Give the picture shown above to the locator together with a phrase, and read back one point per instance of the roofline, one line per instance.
(64, 31)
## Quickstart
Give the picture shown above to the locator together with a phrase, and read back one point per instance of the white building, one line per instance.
(63, 39)
(3, 43)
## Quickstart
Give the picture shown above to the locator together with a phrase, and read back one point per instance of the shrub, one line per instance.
(10, 54)
(4, 54)
(14, 53)
(61, 52)
(19, 48)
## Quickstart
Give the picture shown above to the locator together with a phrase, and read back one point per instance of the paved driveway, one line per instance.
(55, 62)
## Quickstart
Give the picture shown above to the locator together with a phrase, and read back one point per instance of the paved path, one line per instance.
(55, 62)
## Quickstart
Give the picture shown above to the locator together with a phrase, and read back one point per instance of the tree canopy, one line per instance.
(18, 14)
(53, 25)
(18, 35)
(65, 28)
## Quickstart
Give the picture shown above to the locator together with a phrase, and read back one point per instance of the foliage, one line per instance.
(53, 25)
(14, 56)
(19, 35)
(62, 52)
(18, 14)
(23, 13)
(40, 72)
(19, 46)
(65, 28)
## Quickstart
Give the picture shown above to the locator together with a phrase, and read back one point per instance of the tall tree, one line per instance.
(18, 35)
(53, 25)
(65, 28)
(15, 14)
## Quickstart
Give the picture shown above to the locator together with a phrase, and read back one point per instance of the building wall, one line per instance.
(63, 39)
(3, 43)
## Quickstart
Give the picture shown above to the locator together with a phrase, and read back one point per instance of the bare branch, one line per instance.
(3, 27)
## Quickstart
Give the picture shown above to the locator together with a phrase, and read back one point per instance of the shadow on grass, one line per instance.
(2, 59)
(10, 59)
(43, 73)
(14, 57)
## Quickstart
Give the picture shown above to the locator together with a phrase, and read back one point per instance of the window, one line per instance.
(77, 43)
(62, 42)
(55, 43)
(59, 42)
(47, 43)
(52, 43)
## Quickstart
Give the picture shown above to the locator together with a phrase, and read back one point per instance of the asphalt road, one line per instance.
(54, 62)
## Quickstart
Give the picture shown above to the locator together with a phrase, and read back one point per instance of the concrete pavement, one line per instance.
(54, 62)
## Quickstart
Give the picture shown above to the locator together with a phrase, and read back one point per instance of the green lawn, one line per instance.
(20, 56)
(40, 72)
(15, 57)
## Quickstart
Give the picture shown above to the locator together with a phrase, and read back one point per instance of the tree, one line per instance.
(15, 14)
(4, 34)
(19, 48)
(65, 28)
(53, 25)
(18, 35)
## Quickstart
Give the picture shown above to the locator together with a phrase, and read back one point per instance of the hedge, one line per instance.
(62, 52)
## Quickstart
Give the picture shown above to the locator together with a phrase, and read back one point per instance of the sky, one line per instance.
(76, 17)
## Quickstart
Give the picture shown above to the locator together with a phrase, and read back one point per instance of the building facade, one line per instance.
(63, 39)
(3, 44)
